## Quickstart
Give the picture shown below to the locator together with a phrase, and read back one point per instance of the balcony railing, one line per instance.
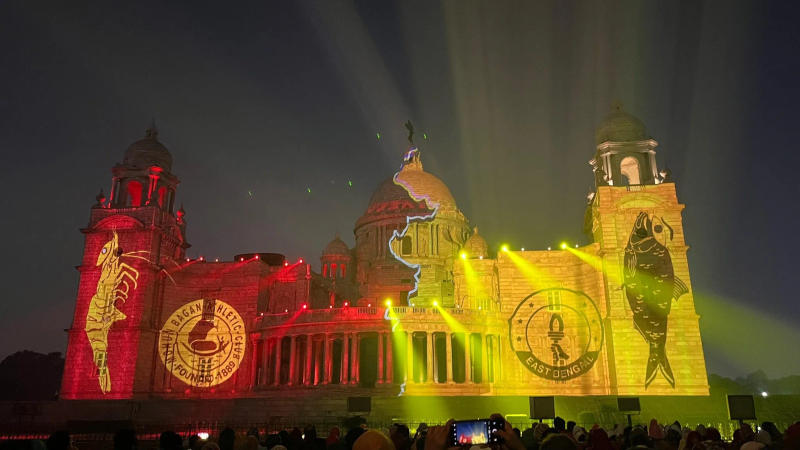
(370, 313)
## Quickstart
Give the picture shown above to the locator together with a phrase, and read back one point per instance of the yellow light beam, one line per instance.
(536, 277)
(610, 268)
(451, 321)
(474, 285)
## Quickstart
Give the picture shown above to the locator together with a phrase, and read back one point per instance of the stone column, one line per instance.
(389, 357)
(326, 379)
(380, 356)
(498, 368)
(484, 358)
(354, 364)
(467, 359)
(448, 342)
(318, 368)
(265, 362)
(292, 360)
(345, 374)
(278, 346)
(410, 357)
(308, 375)
(254, 363)
(429, 357)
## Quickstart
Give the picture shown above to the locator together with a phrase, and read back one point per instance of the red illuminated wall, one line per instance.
(126, 338)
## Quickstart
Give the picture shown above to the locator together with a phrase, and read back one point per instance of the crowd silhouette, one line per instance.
(561, 435)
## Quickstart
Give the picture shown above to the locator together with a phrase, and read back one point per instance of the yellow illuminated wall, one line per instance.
(565, 317)
(614, 212)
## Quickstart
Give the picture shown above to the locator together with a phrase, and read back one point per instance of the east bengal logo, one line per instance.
(556, 333)
(203, 342)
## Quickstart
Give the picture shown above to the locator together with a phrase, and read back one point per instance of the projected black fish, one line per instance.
(651, 285)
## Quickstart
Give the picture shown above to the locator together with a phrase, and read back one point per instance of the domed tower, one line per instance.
(407, 239)
(635, 222)
(476, 246)
(145, 175)
(625, 153)
(337, 269)
(335, 259)
(129, 241)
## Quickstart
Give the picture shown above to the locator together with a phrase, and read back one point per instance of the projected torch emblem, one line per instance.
(556, 333)
(202, 343)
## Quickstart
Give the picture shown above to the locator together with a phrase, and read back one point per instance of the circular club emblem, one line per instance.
(202, 343)
(557, 333)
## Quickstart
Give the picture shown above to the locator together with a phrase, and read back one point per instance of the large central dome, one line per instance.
(411, 192)
(422, 186)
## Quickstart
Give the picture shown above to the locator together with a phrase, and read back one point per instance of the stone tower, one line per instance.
(130, 240)
(635, 217)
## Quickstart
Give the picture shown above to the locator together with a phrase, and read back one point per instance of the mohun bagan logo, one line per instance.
(203, 342)
(556, 333)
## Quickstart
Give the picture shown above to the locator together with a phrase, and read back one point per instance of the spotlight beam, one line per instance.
(536, 277)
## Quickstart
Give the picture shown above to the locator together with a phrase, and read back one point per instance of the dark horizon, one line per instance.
(260, 103)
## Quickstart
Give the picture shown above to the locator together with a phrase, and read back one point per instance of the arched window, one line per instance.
(629, 167)
(342, 266)
(405, 245)
(324, 270)
(333, 270)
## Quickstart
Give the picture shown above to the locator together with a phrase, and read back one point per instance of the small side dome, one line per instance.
(476, 245)
(336, 247)
(148, 152)
(619, 126)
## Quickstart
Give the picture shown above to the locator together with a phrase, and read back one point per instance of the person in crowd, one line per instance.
(539, 431)
(251, 442)
(529, 439)
(578, 434)
(227, 439)
(559, 425)
(775, 436)
(373, 440)
(571, 426)
(194, 442)
(169, 440)
(400, 436)
(598, 440)
(638, 438)
(60, 440)
(125, 440)
(672, 438)
(791, 439)
(333, 436)
(352, 435)
(692, 439)
(557, 441)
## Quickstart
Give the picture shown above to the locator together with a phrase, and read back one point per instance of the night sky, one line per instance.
(260, 102)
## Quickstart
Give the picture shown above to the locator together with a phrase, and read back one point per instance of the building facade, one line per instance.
(419, 307)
